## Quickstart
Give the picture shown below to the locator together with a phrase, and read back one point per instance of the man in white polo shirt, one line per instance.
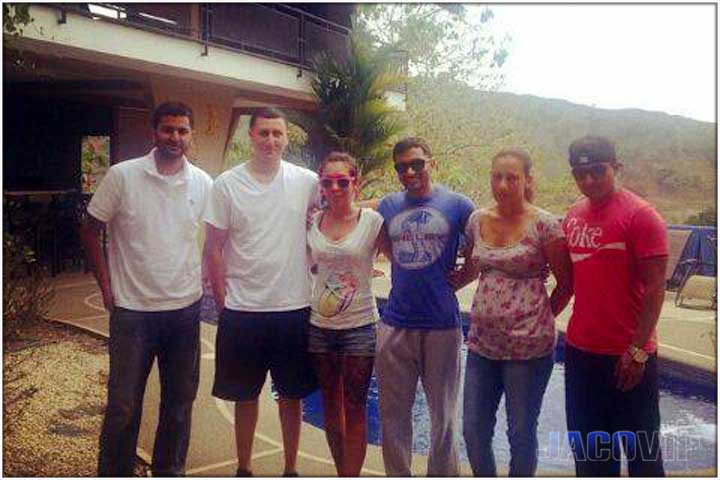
(152, 207)
(257, 261)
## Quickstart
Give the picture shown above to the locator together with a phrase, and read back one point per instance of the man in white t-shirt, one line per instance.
(152, 207)
(256, 252)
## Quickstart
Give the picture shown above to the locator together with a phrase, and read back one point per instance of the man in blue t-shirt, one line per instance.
(420, 335)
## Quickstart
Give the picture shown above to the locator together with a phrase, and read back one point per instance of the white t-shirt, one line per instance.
(265, 255)
(342, 293)
(153, 223)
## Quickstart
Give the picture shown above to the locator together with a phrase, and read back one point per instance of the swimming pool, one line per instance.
(688, 432)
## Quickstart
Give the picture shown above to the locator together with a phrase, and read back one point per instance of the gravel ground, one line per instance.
(53, 401)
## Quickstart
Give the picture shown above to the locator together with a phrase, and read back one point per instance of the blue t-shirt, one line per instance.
(424, 233)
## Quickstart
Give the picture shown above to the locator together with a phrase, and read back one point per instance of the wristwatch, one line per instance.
(637, 354)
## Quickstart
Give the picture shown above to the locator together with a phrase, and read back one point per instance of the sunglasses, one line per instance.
(417, 164)
(342, 183)
(595, 171)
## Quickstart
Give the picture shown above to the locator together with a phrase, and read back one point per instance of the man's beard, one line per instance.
(164, 154)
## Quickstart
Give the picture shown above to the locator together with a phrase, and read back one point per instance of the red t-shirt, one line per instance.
(605, 244)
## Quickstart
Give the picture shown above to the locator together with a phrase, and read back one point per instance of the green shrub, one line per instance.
(26, 289)
(707, 216)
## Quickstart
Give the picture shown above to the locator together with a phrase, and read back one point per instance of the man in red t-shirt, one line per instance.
(619, 249)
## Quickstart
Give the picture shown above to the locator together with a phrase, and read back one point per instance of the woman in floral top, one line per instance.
(512, 330)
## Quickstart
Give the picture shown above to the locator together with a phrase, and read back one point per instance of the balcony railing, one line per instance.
(279, 31)
(276, 31)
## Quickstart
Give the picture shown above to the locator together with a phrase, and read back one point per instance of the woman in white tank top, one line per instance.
(343, 242)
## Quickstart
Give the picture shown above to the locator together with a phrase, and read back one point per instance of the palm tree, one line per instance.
(353, 113)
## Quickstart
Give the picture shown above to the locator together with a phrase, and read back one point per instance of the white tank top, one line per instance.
(342, 296)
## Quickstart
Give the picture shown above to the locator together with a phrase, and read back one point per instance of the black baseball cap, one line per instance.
(589, 150)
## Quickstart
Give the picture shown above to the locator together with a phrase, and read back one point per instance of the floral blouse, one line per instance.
(511, 317)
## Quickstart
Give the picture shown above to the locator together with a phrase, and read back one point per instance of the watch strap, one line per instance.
(638, 354)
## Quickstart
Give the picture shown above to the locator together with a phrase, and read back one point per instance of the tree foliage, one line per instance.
(16, 16)
(445, 44)
(707, 216)
(448, 41)
(27, 292)
(353, 113)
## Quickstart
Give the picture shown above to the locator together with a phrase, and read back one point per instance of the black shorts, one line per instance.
(248, 344)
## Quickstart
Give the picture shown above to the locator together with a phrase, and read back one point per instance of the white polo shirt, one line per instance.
(265, 255)
(153, 223)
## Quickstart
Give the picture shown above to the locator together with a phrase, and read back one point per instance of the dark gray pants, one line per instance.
(136, 339)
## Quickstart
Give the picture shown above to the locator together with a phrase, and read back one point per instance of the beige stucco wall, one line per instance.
(212, 106)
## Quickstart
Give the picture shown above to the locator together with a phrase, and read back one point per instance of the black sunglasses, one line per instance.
(595, 171)
(342, 183)
(417, 164)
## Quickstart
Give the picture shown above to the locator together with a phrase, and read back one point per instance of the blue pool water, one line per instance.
(688, 432)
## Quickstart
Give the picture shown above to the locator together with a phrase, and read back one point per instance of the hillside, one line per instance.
(670, 160)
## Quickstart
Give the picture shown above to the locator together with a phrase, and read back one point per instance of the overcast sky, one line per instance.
(654, 57)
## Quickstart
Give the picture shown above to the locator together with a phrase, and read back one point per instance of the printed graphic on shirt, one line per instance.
(582, 236)
(418, 237)
(338, 294)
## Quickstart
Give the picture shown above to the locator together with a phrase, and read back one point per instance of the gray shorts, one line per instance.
(358, 341)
